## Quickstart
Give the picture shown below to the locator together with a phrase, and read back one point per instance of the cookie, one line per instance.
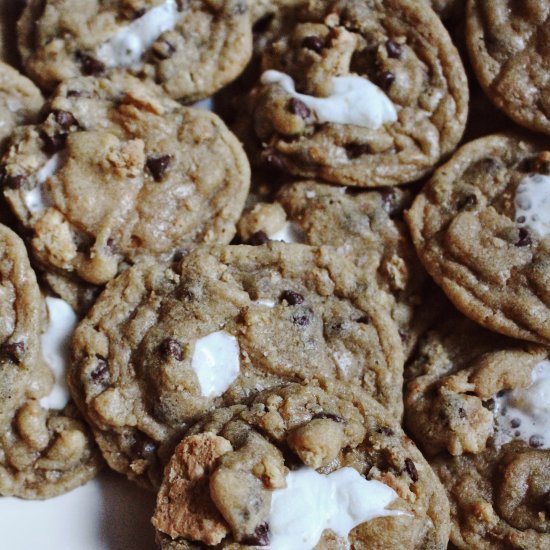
(166, 343)
(366, 227)
(358, 93)
(479, 402)
(45, 450)
(481, 226)
(190, 48)
(302, 466)
(20, 102)
(118, 172)
(507, 46)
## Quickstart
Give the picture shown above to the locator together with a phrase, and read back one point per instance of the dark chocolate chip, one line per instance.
(521, 219)
(411, 469)
(393, 49)
(53, 144)
(101, 374)
(74, 93)
(65, 119)
(536, 441)
(501, 393)
(298, 108)
(158, 166)
(489, 404)
(170, 347)
(302, 319)
(461, 412)
(14, 182)
(258, 238)
(314, 43)
(356, 150)
(364, 319)
(386, 79)
(143, 447)
(330, 416)
(467, 202)
(260, 537)
(139, 13)
(263, 23)
(385, 430)
(89, 65)
(524, 238)
(292, 298)
(515, 422)
(14, 351)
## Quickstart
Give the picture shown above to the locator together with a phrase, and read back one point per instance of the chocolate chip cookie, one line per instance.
(20, 102)
(366, 227)
(43, 451)
(508, 46)
(301, 466)
(166, 343)
(479, 401)
(190, 48)
(119, 172)
(481, 228)
(358, 93)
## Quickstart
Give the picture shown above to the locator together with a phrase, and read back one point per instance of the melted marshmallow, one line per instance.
(353, 100)
(265, 303)
(129, 43)
(289, 233)
(525, 413)
(313, 502)
(35, 199)
(533, 204)
(216, 361)
(55, 349)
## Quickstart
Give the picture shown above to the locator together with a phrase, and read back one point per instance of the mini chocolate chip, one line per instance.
(143, 447)
(162, 49)
(517, 433)
(356, 150)
(467, 202)
(386, 79)
(536, 441)
(65, 119)
(515, 422)
(411, 469)
(74, 93)
(260, 537)
(364, 319)
(385, 430)
(298, 108)
(101, 373)
(111, 245)
(524, 238)
(170, 347)
(292, 298)
(314, 43)
(302, 319)
(14, 351)
(461, 412)
(53, 144)
(330, 416)
(489, 404)
(521, 219)
(393, 49)
(15, 182)
(258, 238)
(90, 65)
(158, 166)
(501, 393)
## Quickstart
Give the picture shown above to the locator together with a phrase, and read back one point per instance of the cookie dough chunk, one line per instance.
(20, 102)
(508, 47)
(479, 400)
(366, 227)
(190, 48)
(359, 93)
(301, 467)
(119, 172)
(167, 343)
(481, 228)
(44, 451)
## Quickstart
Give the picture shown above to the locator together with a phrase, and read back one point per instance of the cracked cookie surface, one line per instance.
(167, 343)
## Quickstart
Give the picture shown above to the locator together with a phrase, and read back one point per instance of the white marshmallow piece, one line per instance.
(533, 204)
(55, 349)
(126, 47)
(216, 361)
(353, 100)
(313, 502)
(290, 233)
(525, 413)
(36, 200)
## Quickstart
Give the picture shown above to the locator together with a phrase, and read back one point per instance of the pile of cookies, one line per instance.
(315, 313)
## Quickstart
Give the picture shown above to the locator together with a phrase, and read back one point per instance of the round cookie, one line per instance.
(118, 172)
(300, 467)
(483, 398)
(166, 343)
(366, 227)
(358, 93)
(20, 102)
(190, 48)
(43, 452)
(481, 226)
(507, 42)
